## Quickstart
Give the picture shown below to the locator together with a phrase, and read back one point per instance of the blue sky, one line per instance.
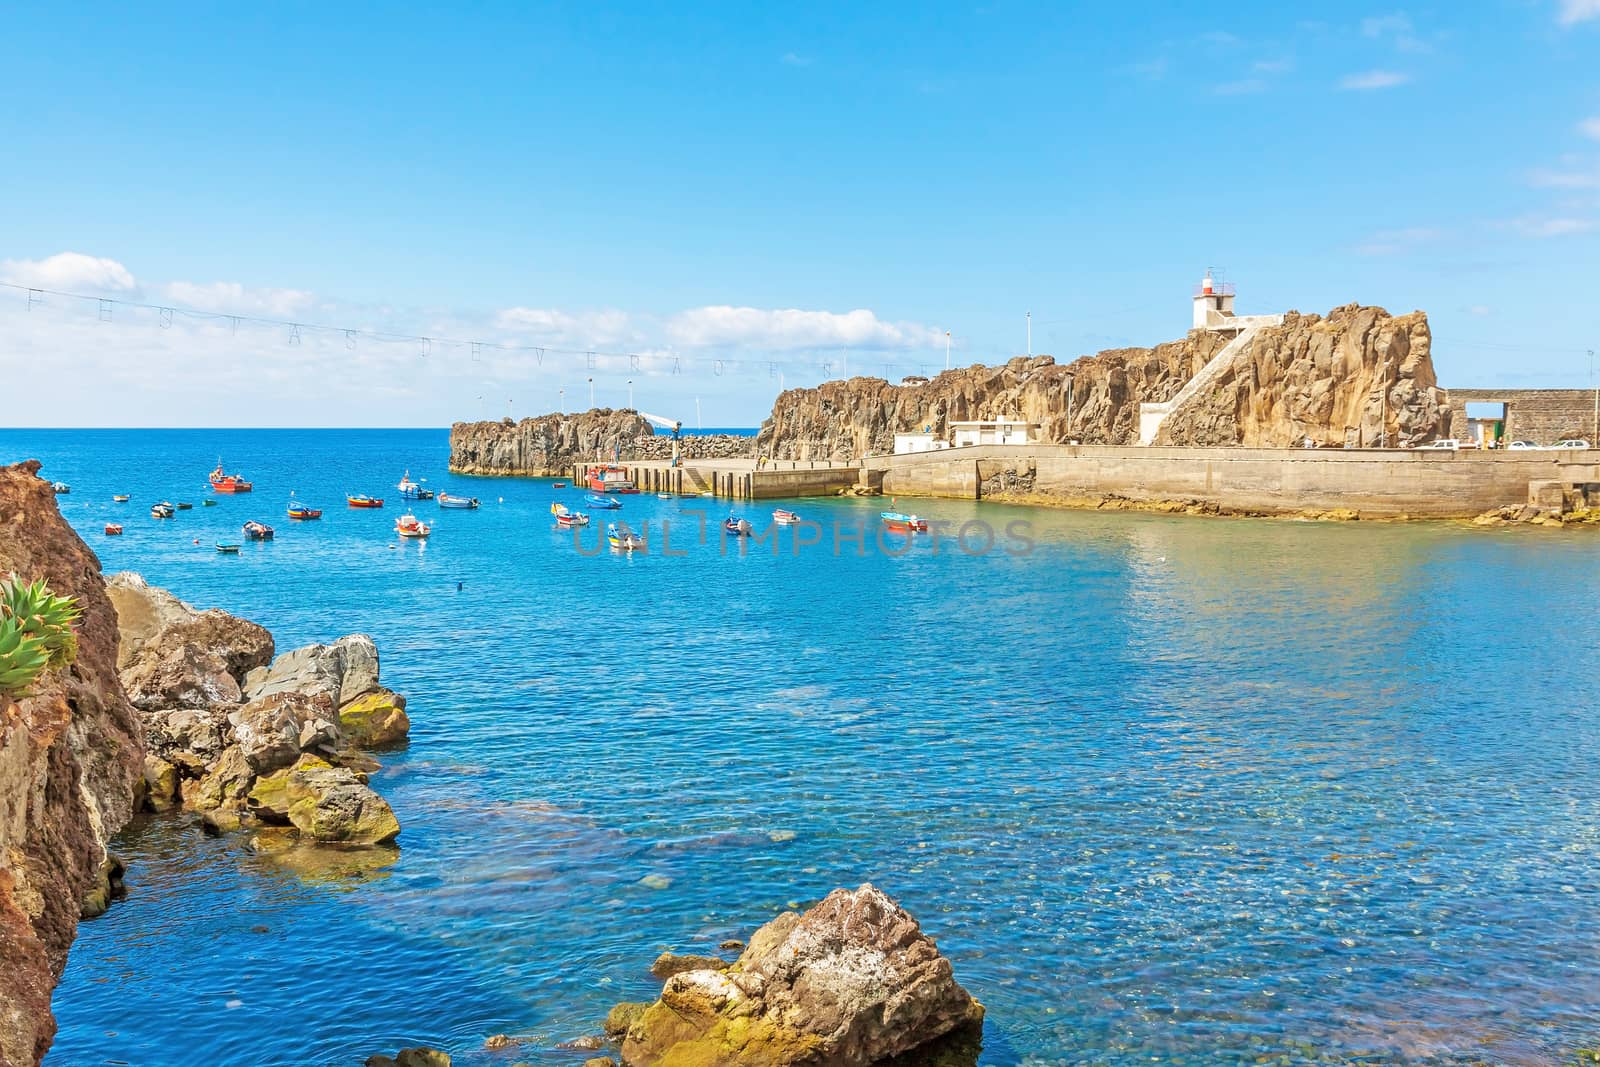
(727, 183)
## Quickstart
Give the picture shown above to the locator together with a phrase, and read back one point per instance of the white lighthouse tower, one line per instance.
(1213, 303)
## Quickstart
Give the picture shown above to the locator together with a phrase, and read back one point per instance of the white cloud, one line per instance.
(231, 298)
(1533, 226)
(1479, 309)
(584, 328)
(1373, 79)
(1564, 179)
(1396, 241)
(792, 328)
(1379, 25)
(70, 272)
(1240, 88)
(1573, 12)
(1590, 127)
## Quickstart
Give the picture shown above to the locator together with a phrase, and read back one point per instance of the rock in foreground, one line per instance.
(853, 981)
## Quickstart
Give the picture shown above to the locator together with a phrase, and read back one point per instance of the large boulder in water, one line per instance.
(375, 720)
(344, 670)
(240, 643)
(853, 981)
(333, 805)
(143, 610)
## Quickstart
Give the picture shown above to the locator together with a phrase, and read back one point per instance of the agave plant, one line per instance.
(35, 633)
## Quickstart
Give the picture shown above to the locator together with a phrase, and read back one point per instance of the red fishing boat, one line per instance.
(228, 483)
(300, 511)
(113, 529)
(409, 525)
(611, 479)
(362, 500)
(894, 520)
(785, 518)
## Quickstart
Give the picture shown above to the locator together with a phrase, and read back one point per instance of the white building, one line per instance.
(907, 443)
(1213, 303)
(993, 432)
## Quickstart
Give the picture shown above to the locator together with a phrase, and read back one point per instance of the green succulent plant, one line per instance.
(35, 633)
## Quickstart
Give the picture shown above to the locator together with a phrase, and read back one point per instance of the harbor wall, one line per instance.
(1543, 416)
(1420, 482)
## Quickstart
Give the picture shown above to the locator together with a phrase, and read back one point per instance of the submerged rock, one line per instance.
(411, 1057)
(852, 982)
(670, 963)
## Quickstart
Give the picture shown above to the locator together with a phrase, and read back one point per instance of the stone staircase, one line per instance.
(1151, 416)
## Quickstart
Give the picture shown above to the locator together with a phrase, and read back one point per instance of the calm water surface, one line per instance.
(1166, 790)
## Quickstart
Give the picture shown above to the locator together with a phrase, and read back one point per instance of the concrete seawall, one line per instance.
(1419, 482)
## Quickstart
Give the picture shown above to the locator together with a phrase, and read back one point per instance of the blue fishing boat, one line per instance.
(902, 523)
(623, 540)
(448, 501)
(598, 500)
(738, 527)
(410, 490)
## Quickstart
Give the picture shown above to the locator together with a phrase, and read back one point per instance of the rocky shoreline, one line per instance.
(548, 446)
(248, 741)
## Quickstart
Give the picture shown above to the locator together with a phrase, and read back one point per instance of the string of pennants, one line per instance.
(294, 332)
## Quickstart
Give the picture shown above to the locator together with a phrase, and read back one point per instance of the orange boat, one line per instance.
(300, 511)
(228, 483)
(113, 529)
(362, 500)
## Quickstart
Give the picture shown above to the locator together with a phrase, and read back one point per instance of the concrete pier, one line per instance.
(736, 479)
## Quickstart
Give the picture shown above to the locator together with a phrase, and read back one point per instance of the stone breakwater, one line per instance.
(1336, 380)
(69, 771)
(248, 741)
(549, 445)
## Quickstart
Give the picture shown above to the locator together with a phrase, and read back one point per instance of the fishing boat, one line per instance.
(900, 523)
(113, 529)
(162, 510)
(623, 540)
(448, 501)
(785, 518)
(605, 503)
(738, 527)
(208, 503)
(301, 511)
(257, 531)
(228, 483)
(408, 525)
(611, 479)
(185, 507)
(410, 490)
(362, 500)
(228, 550)
(122, 498)
(567, 517)
(663, 496)
(559, 485)
(60, 487)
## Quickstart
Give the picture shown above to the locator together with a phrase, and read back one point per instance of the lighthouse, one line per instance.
(1213, 303)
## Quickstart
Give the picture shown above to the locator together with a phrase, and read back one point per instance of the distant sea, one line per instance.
(1165, 789)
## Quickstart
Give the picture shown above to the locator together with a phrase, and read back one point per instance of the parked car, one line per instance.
(1448, 444)
(1522, 446)
(1572, 442)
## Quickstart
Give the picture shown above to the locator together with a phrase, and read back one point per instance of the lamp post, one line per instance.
(630, 394)
(563, 401)
(947, 350)
(697, 414)
(1030, 333)
(591, 394)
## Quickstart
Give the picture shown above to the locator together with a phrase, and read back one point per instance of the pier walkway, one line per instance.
(736, 479)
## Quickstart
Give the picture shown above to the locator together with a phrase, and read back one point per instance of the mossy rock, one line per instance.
(376, 720)
(619, 1018)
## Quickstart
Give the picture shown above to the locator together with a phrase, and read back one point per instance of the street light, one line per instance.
(591, 394)
(630, 394)
(563, 401)
(947, 350)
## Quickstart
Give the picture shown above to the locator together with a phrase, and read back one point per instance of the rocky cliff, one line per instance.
(1327, 378)
(550, 444)
(69, 762)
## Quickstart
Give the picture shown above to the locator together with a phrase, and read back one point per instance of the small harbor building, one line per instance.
(921, 441)
(994, 432)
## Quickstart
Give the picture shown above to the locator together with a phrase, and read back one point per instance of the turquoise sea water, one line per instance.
(1166, 790)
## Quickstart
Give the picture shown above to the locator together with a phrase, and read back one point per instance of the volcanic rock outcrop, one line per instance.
(69, 769)
(246, 739)
(550, 444)
(1330, 379)
(853, 981)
